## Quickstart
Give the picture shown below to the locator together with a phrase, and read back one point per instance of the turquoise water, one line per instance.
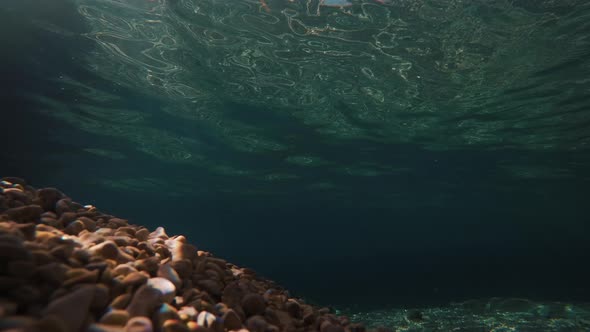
(384, 154)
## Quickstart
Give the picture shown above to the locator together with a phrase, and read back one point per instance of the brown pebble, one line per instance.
(150, 265)
(53, 273)
(74, 228)
(135, 279)
(142, 234)
(121, 301)
(115, 317)
(67, 217)
(89, 224)
(63, 205)
(166, 312)
(253, 304)
(166, 271)
(139, 324)
(212, 287)
(25, 214)
(145, 300)
(173, 325)
(293, 309)
(62, 251)
(79, 276)
(123, 270)
(72, 308)
(256, 324)
(182, 267)
(231, 320)
(48, 197)
(106, 249)
(101, 298)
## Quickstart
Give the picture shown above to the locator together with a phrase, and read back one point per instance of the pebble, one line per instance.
(135, 279)
(165, 287)
(205, 319)
(173, 325)
(142, 234)
(139, 324)
(253, 304)
(293, 308)
(121, 301)
(48, 197)
(123, 270)
(115, 317)
(144, 302)
(24, 214)
(167, 272)
(166, 312)
(211, 286)
(80, 275)
(74, 228)
(231, 320)
(106, 249)
(72, 308)
(256, 324)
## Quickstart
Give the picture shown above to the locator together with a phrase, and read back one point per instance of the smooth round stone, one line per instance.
(139, 324)
(74, 228)
(256, 324)
(253, 304)
(165, 286)
(166, 312)
(121, 301)
(23, 214)
(294, 309)
(159, 233)
(167, 272)
(231, 320)
(123, 270)
(48, 197)
(101, 297)
(205, 319)
(72, 308)
(115, 317)
(142, 234)
(187, 313)
(145, 301)
(106, 249)
(79, 276)
(173, 325)
(135, 279)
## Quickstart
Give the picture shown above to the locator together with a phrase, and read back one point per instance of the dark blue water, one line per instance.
(485, 195)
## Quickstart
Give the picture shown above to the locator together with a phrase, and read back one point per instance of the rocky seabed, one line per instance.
(68, 267)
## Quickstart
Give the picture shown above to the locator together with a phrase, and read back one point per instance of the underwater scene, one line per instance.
(295, 165)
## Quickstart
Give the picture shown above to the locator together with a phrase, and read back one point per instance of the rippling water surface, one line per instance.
(441, 145)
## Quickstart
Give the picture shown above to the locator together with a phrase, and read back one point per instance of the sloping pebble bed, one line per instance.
(67, 267)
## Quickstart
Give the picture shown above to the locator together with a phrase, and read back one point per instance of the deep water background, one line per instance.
(450, 225)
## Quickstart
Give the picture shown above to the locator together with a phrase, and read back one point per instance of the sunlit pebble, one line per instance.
(187, 313)
(165, 286)
(205, 318)
(192, 325)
